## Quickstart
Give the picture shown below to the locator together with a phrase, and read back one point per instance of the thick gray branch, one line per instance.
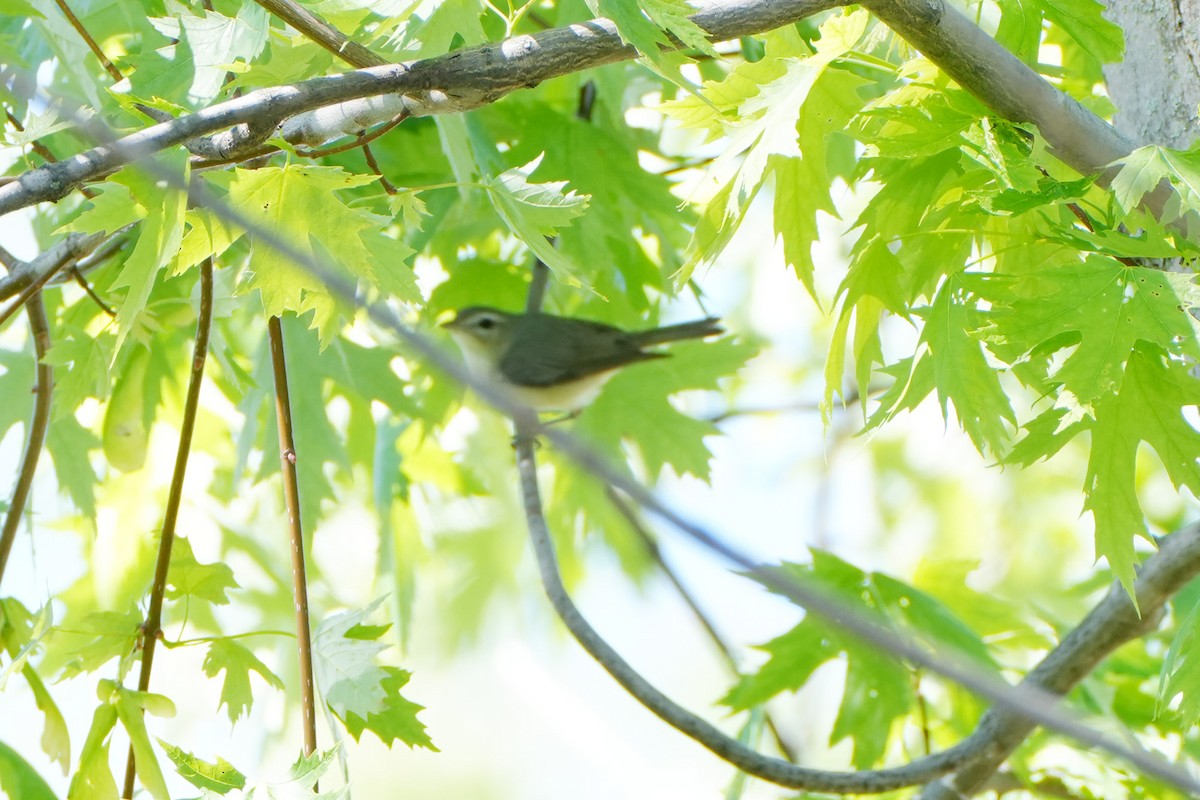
(451, 83)
(1002, 81)
(1109, 625)
(25, 273)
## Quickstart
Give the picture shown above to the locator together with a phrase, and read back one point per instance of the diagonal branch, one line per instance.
(726, 747)
(323, 108)
(109, 67)
(1112, 623)
(72, 247)
(321, 32)
(650, 544)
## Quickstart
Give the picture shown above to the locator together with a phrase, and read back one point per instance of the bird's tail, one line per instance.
(686, 330)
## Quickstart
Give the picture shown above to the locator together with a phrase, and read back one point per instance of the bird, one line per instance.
(553, 363)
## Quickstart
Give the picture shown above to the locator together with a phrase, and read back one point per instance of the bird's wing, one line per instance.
(553, 350)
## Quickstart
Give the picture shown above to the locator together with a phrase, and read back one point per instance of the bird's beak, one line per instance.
(452, 322)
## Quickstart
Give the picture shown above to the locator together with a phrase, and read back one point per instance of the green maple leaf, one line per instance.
(81, 362)
(759, 107)
(220, 777)
(1100, 306)
(878, 689)
(103, 635)
(112, 209)
(951, 361)
(214, 42)
(15, 380)
(226, 655)
(130, 706)
(1148, 408)
(645, 24)
(1084, 22)
(397, 719)
(307, 770)
(189, 578)
(1146, 167)
(159, 236)
(635, 407)
(19, 779)
(160, 78)
(448, 22)
(801, 183)
(298, 203)
(534, 211)
(347, 675)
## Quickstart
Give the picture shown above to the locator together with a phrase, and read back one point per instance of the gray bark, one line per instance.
(1157, 88)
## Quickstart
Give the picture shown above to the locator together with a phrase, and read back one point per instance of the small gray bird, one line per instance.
(557, 363)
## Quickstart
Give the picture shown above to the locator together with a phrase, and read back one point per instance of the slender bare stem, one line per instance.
(109, 67)
(726, 747)
(366, 137)
(387, 185)
(40, 329)
(318, 30)
(87, 287)
(291, 495)
(152, 627)
(537, 286)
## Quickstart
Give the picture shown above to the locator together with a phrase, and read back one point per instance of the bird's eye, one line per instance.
(487, 323)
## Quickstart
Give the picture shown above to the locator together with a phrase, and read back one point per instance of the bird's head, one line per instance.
(483, 333)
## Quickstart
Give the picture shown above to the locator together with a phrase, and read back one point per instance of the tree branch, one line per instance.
(36, 436)
(450, 83)
(72, 246)
(291, 495)
(1113, 622)
(729, 749)
(152, 627)
(321, 32)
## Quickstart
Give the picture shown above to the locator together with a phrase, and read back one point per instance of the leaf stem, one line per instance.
(109, 67)
(152, 627)
(291, 495)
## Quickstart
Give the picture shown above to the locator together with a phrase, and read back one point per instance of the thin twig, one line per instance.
(291, 495)
(537, 286)
(321, 32)
(109, 67)
(40, 329)
(152, 627)
(387, 185)
(655, 552)
(87, 287)
(366, 137)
